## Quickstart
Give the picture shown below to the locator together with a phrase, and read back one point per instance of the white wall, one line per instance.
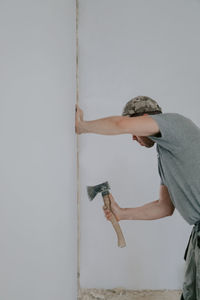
(37, 152)
(130, 48)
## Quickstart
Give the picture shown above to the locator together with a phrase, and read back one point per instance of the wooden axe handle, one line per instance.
(120, 237)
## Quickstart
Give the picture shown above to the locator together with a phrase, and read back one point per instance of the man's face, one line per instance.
(143, 141)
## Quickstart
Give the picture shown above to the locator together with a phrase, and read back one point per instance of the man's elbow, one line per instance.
(167, 210)
(170, 211)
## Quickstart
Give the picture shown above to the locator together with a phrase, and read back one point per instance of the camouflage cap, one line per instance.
(141, 105)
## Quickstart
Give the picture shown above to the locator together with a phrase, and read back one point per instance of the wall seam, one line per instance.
(78, 147)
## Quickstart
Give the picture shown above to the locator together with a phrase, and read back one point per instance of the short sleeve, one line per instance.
(173, 128)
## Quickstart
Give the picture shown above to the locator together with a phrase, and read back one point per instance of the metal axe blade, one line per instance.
(100, 188)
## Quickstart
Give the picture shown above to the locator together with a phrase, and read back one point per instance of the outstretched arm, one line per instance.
(151, 211)
(141, 126)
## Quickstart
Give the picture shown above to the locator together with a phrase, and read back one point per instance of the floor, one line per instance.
(121, 294)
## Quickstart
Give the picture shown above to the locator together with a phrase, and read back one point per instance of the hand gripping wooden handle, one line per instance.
(120, 237)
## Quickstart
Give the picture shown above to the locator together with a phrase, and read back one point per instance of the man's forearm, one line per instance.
(150, 211)
(107, 126)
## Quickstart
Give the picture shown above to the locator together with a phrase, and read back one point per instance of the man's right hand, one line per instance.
(116, 209)
(78, 120)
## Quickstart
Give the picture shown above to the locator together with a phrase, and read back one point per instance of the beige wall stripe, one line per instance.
(78, 173)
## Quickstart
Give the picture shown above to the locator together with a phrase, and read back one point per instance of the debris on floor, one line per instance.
(123, 294)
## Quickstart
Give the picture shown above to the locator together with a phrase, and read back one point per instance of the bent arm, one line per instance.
(151, 211)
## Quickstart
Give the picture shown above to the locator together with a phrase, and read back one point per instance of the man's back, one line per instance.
(179, 162)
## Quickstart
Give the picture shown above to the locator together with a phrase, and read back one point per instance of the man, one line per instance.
(178, 148)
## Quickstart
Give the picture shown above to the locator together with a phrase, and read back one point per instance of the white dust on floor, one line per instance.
(122, 294)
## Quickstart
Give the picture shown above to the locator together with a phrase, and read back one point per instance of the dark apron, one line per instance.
(197, 225)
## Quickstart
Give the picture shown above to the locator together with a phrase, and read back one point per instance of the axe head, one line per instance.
(100, 188)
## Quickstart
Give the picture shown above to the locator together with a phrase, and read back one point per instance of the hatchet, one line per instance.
(103, 188)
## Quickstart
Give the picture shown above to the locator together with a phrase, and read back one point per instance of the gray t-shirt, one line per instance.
(178, 151)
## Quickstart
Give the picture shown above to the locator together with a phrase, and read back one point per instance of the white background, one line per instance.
(127, 48)
(130, 48)
(37, 150)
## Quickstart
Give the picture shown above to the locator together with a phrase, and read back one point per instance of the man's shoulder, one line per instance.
(170, 117)
(172, 125)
